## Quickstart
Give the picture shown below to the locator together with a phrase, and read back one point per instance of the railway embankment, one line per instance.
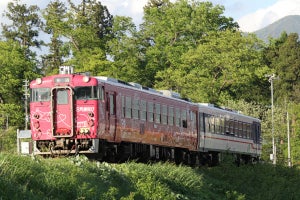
(25, 177)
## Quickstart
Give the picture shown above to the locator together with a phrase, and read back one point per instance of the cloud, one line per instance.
(263, 17)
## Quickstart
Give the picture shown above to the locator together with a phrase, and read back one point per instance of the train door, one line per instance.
(201, 134)
(256, 138)
(111, 118)
(62, 112)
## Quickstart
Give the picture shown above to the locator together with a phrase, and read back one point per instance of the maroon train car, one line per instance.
(114, 120)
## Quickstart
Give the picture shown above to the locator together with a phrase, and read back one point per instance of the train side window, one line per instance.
(135, 109)
(157, 113)
(184, 119)
(112, 104)
(227, 126)
(201, 122)
(222, 125)
(206, 122)
(257, 133)
(236, 128)
(177, 117)
(150, 112)
(231, 127)
(240, 129)
(171, 116)
(212, 124)
(143, 111)
(248, 130)
(244, 130)
(123, 106)
(128, 113)
(164, 114)
(217, 125)
(193, 120)
(101, 93)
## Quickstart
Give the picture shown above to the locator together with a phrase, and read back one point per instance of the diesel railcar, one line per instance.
(114, 120)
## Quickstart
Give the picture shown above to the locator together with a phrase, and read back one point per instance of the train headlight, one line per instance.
(86, 79)
(84, 130)
(38, 81)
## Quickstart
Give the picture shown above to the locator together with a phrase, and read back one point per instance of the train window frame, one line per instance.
(100, 93)
(248, 131)
(184, 118)
(171, 116)
(164, 114)
(157, 113)
(240, 133)
(62, 97)
(128, 107)
(217, 124)
(177, 117)
(235, 128)
(135, 108)
(222, 125)
(112, 104)
(123, 106)
(40, 94)
(193, 116)
(150, 107)
(212, 124)
(143, 110)
(206, 122)
(201, 122)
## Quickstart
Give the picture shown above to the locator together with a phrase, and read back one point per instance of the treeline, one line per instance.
(187, 46)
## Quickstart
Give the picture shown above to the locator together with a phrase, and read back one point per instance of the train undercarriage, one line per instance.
(121, 152)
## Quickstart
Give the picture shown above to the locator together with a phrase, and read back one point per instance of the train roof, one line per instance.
(138, 87)
(210, 108)
(176, 96)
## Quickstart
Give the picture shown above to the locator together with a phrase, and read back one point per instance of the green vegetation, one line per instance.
(23, 177)
(186, 46)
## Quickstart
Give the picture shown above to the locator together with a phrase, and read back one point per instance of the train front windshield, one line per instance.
(85, 93)
(40, 94)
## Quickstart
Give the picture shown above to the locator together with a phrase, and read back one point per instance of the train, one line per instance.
(109, 119)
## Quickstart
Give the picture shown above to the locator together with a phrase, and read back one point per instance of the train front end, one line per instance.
(64, 114)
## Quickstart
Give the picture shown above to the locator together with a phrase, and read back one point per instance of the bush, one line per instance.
(8, 140)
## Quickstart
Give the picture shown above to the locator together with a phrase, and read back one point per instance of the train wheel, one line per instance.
(178, 156)
(214, 158)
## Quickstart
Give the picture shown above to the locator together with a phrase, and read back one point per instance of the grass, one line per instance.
(23, 177)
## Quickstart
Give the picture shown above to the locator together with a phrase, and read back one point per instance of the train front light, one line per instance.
(86, 79)
(38, 81)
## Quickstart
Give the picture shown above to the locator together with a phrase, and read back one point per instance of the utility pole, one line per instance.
(26, 95)
(271, 78)
(288, 136)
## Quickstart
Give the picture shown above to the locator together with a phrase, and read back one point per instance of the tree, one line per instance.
(172, 29)
(225, 65)
(89, 30)
(56, 25)
(25, 26)
(14, 69)
(283, 57)
(126, 51)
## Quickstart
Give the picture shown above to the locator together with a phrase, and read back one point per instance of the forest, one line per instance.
(186, 46)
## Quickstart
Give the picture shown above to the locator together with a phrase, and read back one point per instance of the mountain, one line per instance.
(289, 24)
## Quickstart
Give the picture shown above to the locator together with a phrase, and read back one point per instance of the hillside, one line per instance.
(77, 178)
(290, 24)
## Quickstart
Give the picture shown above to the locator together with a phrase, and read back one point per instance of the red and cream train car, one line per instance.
(114, 120)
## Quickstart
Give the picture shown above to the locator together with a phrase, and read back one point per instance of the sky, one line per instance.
(251, 15)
